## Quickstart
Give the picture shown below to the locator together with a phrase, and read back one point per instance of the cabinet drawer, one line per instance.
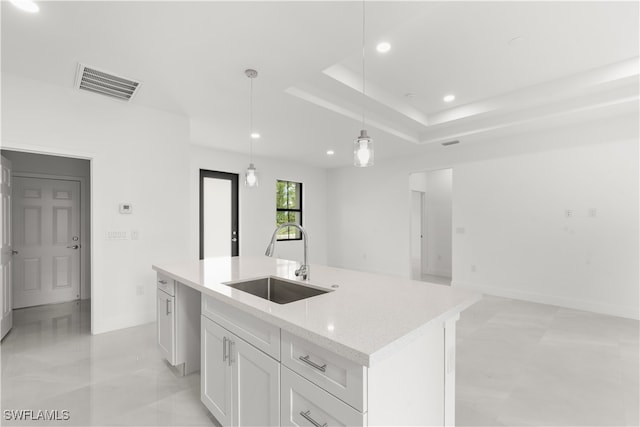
(166, 284)
(305, 404)
(260, 334)
(341, 377)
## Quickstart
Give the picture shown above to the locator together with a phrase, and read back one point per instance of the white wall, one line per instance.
(370, 218)
(138, 155)
(591, 165)
(523, 245)
(437, 223)
(63, 166)
(418, 181)
(258, 206)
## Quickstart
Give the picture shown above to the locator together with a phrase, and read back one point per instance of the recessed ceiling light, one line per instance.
(26, 5)
(330, 152)
(383, 47)
(255, 135)
(449, 98)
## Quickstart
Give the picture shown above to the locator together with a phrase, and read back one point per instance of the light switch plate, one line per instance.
(116, 235)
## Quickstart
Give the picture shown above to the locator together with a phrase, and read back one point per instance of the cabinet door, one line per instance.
(215, 371)
(166, 327)
(256, 386)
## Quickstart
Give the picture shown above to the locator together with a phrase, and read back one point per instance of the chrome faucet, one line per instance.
(304, 268)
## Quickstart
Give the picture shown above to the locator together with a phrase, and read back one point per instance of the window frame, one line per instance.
(287, 210)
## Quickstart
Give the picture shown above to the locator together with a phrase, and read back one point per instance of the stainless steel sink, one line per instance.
(277, 290)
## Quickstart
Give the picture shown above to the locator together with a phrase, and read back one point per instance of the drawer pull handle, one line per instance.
(306, 360)
(162, 282)
(231, 343)
(307, 416)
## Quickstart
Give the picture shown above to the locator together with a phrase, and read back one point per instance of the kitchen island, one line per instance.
(372, 350)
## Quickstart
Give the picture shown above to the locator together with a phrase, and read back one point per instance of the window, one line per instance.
(288, 208)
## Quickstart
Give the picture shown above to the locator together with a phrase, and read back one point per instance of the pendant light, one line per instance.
(251, 174)
(363, 145)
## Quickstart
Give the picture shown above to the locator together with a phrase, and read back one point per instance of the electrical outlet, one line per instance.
(135, 235)
(140, 290)
(593, 212)
(568, 213)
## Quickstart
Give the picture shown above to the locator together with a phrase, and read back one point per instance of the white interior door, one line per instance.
(46, 232)
(416, 234)
(6, 254)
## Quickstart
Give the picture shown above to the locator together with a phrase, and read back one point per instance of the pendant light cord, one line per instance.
(363, 75)
(251, 122)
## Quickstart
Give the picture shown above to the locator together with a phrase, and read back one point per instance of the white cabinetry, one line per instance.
(166, 326)
(306, 404)
(341, 377)
(215, 372)
(243, 382)
(319, 387)
(240, 384)
(178, 323)
(406, 387)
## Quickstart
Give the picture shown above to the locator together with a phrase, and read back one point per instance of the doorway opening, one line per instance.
(218, 214)
(49, 230)
(431, 226)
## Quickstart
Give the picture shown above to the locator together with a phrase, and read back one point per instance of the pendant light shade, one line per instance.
(251, 174)
(363, 145)
(363, 150)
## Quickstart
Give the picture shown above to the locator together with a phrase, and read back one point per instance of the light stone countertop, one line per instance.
(365, 318)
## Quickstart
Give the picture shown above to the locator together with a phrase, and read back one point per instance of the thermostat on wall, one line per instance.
(126, 208)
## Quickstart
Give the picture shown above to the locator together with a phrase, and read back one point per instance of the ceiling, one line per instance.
(513, 66)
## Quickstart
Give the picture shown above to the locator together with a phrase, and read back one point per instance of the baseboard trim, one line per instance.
(611, 310)
(441, 273)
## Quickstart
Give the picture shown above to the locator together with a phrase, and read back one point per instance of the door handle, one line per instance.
(234, 239)
(168, 307)
(73, 247)
(224, 348)
(14, 252)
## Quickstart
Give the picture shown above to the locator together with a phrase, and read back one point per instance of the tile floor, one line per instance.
(51, 361)
(440, 280)
(527, 364)
(520, 364)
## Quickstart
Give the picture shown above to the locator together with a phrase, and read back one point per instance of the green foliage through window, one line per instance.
(288, 208)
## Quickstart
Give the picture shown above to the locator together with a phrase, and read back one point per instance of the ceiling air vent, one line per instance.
(94, 80)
